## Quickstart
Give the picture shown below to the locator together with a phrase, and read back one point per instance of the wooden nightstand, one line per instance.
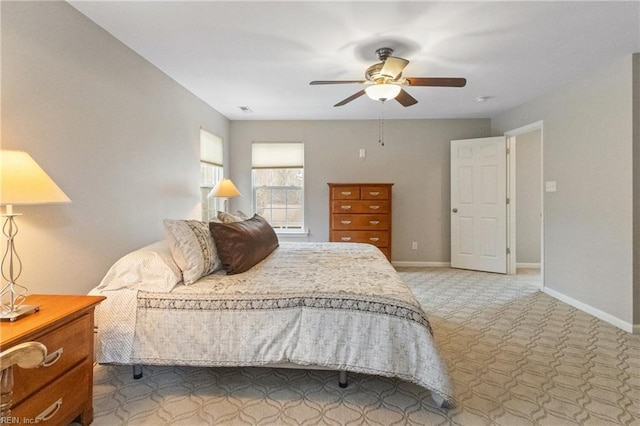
(62, 389)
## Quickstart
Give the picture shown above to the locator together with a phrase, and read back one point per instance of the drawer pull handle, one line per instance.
(345, 222)
(374, 207)
(346, 207)
(346, 238)
(49, 412)
(374, 193)
(374, 239)
(346, 192)
(374, 222)
(52, 358)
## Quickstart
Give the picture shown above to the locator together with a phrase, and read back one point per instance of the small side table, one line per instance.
(60, 391)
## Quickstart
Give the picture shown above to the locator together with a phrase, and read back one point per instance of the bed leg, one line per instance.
(137, 371)
(342, 381)
(440, 401)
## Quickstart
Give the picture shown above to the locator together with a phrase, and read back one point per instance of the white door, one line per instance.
(479, 204)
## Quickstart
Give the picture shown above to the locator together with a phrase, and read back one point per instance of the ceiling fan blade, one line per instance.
(316, 82)
(436, 81)
(350, 98)
(405, 98)
(393, 66)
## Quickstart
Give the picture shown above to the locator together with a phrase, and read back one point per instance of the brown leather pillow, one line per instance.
(243, 244)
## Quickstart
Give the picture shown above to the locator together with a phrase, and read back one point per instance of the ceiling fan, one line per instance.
(385, 81)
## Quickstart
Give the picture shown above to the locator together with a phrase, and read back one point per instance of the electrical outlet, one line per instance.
(414, 245)
(550, 186)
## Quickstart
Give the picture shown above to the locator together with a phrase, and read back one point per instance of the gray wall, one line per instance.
(528, 197)
(415, 158)
(588, 222)
(636, 189)
(116, 134)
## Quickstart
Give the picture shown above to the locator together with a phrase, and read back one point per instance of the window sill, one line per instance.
(299, 234)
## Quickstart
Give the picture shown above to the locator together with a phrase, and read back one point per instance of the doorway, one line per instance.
(525, 224)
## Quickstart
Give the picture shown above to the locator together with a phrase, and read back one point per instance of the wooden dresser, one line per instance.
(61, 390)
(361, 213)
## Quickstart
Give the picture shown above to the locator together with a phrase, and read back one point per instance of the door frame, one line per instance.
(511, 136)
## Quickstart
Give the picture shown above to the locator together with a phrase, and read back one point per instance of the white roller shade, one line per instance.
(277, 155)
(211, 148)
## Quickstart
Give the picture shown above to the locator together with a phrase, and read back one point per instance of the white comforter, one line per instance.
(336, 305)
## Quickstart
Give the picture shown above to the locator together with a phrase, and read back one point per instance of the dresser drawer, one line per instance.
(359, 221)
(345, 193)
(61, 401)
(374, 193)
(66, 347)
(377, 238)
(346, 206)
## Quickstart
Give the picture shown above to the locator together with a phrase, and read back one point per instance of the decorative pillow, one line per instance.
(243, 244)
(192, 248)
(225, 217)
(150, 268)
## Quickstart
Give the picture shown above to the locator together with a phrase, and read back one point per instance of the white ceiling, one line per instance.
(264, 54)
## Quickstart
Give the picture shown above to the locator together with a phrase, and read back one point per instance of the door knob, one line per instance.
(455, 210)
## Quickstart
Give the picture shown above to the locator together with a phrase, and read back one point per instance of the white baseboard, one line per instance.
(623, 325)
(409, 264)
(528, 265)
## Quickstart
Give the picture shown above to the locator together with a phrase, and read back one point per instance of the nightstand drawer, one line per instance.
(58, 403)
(377, 238)
(359, 221)
(66, 347)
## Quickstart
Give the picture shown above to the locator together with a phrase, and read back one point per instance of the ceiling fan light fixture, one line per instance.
(383, 92)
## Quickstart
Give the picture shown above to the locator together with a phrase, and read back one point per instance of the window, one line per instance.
(211, 171)
(278, 183)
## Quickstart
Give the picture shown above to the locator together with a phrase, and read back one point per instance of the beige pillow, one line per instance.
(192, 248)
(225, 217)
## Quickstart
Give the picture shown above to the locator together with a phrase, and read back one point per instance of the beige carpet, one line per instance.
(516, 357)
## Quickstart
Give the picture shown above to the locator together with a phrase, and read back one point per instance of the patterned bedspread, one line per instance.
(335, 305)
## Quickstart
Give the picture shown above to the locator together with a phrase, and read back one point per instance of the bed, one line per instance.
(334, 306)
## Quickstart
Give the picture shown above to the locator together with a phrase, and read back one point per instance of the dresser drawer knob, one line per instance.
(374, 193)
(374, 207)
(345, 222)
(374, 239)
(49, 412)
(374, 222)
(345, 207)
(346, 238)
(346, 192)
(52, 358)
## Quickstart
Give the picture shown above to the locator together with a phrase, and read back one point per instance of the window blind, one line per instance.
(277, 155)
(211, 148)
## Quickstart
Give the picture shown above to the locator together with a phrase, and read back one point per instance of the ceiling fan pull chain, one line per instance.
(381, 125)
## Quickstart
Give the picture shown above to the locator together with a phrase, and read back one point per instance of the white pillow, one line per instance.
(150, 268)
(193, 248)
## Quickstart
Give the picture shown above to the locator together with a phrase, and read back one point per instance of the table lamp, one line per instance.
(224, 189)
(22, 182)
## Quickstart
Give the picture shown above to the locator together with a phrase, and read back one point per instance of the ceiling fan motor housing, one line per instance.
(374, 74)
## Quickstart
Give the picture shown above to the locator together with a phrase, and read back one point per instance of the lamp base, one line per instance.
(18, 312)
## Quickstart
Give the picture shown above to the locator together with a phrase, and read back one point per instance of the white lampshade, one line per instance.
(225, 188)
(22, 181)
(382, 92)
